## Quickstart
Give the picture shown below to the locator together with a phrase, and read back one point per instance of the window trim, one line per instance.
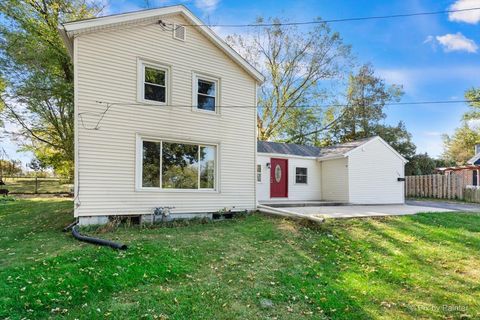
(306, 175)
(139, 164)
(202, 76)
(259, 173)
(141, 64)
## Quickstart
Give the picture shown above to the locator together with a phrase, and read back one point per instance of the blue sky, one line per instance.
(434, 57)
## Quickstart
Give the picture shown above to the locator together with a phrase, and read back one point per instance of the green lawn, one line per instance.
(44, 185)
(424, 266)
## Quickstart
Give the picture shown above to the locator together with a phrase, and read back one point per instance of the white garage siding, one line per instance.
(106, 70)
(302, 192)
(335, 180)
(373, 172)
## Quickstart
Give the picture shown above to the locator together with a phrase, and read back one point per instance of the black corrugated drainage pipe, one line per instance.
(100, 242)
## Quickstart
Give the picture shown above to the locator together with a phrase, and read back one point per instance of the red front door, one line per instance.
(278, 178)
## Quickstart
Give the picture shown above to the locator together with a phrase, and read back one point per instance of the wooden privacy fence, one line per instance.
(435, 186)
(471, 195)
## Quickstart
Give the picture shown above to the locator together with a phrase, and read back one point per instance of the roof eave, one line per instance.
(381, 140)
(70, 28)
(334, 157)
(66, 40)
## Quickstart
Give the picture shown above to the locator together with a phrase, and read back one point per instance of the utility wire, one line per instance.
(109, 105)
(426, 102)
(391, 16)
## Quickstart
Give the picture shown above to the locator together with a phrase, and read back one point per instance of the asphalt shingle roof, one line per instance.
(287, 148)
(309, 151)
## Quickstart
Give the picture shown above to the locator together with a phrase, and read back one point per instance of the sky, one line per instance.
(434, 57)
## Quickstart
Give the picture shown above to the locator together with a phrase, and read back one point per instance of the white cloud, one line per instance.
(457, 42)
(474, 123)
(472, 16)
(207, 6)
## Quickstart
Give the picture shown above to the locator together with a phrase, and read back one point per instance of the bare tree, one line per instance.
(298, 62)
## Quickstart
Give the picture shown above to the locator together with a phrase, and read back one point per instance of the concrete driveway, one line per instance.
(452, 205)
(366, 211)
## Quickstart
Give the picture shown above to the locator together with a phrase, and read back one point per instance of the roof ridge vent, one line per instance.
(179, 32)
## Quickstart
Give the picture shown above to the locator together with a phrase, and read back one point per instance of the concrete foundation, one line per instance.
(93, 220)
(148, 218)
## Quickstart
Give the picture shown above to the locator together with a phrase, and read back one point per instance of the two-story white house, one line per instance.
(164, 116)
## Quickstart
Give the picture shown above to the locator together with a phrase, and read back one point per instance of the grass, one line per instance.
(422, 266)
(44, 185)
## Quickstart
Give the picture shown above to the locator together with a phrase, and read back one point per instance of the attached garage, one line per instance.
(367, 171)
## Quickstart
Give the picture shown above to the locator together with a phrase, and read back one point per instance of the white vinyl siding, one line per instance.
(296, 191)
(374, 170)
(106, 70)
(335, 180)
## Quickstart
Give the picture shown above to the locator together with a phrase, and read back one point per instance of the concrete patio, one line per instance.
(353, 211)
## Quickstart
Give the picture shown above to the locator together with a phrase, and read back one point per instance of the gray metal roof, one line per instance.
(309, 151)
(287, 148)
(340, 149)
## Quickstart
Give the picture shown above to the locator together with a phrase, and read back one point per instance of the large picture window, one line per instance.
(172, 165)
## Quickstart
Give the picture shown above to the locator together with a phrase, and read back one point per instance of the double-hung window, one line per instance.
(206, 93)
(153, 83)
(300, 175)
(174, 165)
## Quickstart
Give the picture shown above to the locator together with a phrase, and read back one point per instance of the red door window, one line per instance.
(278, 178)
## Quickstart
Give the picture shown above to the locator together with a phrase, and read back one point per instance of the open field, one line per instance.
(423, 266)
(44, 185)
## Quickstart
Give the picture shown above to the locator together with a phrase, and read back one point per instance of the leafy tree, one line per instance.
(299, 123)
(473, 95)
(460, 146)
(10, 168)
(420, 164)
(366, 97)
(398, 137)
(38, 75)
(296, 62)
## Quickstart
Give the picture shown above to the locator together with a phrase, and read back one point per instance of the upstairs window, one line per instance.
(301, 175)
(153, 82)
(206, 93)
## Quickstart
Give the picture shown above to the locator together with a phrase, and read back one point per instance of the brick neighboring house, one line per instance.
(469, 173)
